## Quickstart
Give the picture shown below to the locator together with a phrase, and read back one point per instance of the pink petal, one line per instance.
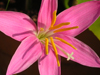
(83, 55)
(48, 64)
(82, 15)
(16, 25)
(46, 13)
(26, 54)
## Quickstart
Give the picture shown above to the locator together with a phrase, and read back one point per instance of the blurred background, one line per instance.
(31, 8)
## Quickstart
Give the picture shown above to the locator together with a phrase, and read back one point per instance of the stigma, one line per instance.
(47, 38)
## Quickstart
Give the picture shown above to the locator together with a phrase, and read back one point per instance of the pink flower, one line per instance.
(54, 37)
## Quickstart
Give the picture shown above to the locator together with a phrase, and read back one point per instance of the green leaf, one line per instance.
(66, 3)
(95, 28)
(81, 1)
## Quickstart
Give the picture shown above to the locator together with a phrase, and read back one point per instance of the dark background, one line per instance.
(8, 45)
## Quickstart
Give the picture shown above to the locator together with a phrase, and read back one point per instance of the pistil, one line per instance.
(67, 54)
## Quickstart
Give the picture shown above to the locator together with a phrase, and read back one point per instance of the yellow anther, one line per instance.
(46, 46)
(53, 19)
(55, 50)
(59, 25)
(62, 40)
(65, 29)
(41, 29)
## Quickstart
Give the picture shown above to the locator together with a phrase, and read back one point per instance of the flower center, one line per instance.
(44, 34)
(47, 38)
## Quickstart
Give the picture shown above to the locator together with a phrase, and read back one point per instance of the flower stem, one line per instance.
(7, 4)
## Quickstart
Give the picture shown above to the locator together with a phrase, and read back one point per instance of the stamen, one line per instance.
(41, 29)
(55, 50)
(46, 46)
(59, 25)
(65, 29)
(53, 19)
(62, 40)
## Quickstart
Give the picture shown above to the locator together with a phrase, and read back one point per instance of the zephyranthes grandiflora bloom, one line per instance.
(51, 38)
